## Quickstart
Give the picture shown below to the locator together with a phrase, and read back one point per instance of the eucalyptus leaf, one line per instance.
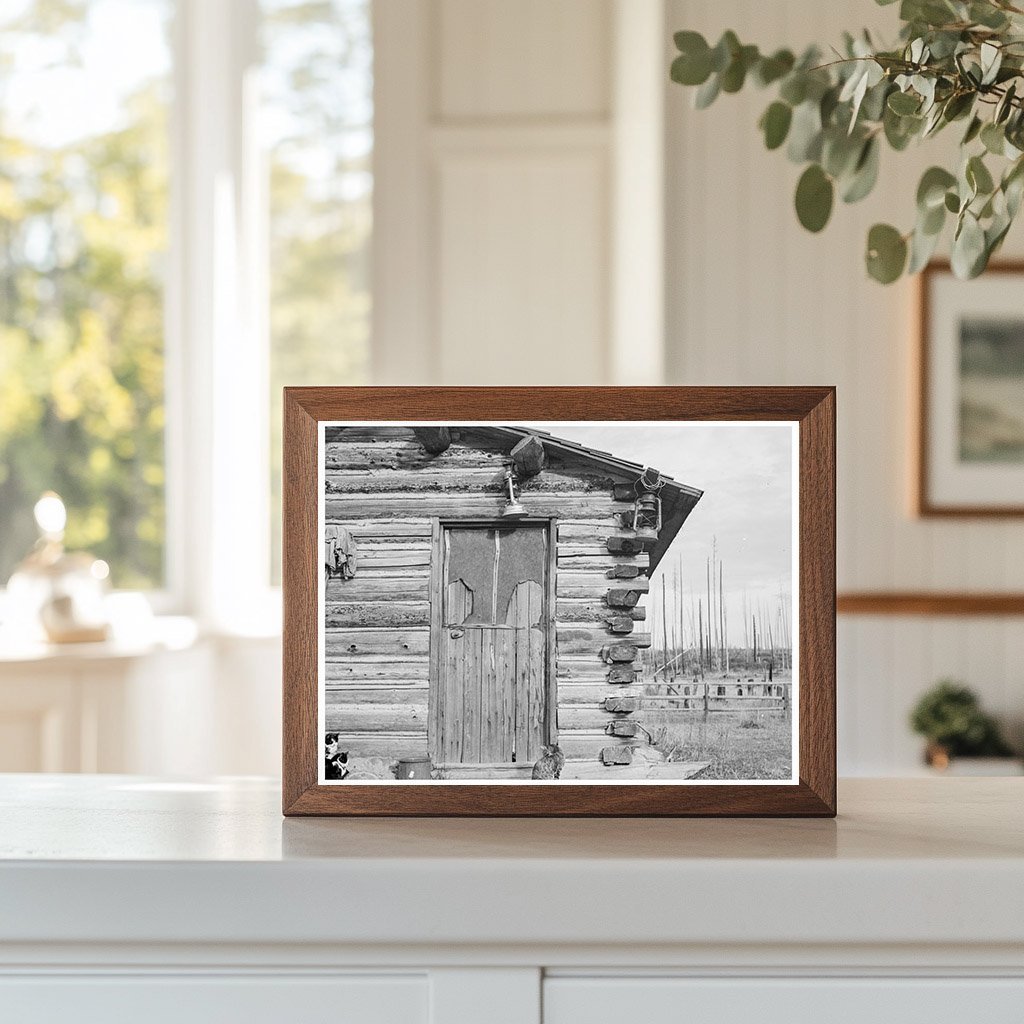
(865, 174)
(968, 248)
(991, 60)
(805, 133)
(978, 176)
(993, 138)
(886, 253)
(814, 195)
(931, 190)
(707, 93)
(904, 103)
(973, 130)
(775, 124)
(922, 247)
(771, 69)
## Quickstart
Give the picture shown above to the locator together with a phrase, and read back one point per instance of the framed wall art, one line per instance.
(970, 444)
(559, 601)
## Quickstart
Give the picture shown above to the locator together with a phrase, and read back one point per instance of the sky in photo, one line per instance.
(746, 473)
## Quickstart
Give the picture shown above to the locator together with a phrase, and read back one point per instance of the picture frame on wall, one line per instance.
(559, 601)
(970, 383)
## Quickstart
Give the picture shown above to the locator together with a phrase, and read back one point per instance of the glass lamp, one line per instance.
(55, 595)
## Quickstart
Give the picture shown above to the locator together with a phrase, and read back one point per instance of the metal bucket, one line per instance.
(414, 768)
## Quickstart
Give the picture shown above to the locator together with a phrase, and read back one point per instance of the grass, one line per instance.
(741, 746)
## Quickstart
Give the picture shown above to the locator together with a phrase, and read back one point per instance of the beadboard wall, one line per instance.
(753, 299)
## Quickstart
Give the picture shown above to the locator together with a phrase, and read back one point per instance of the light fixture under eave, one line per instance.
(513, 507)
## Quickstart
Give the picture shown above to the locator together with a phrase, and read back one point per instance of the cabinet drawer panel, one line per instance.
(571, 1000)
(201, 999)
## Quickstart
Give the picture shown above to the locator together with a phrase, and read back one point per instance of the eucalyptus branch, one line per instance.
(955, 61)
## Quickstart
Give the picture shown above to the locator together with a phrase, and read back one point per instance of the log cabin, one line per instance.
(496, 601)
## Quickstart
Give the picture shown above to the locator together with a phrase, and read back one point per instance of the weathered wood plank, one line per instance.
(366, 588)
(588, 666)
(363, 693)
(489, 476)
(592, 694)
(588, 578)
(398, 454)
(576, 610)
(340, 508)
(368, 529)
(353, 642)
(369, 560)
(345, 434)
(342, 715)
(591, 717)
(392, 614)
(588, 744)
(390, 746)
(368, 668)
(580, 640)
(581, 549)
(383, 544)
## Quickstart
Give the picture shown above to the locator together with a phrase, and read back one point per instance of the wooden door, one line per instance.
(493, 645)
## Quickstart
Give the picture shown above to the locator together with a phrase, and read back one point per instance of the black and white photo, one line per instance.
(558, 602)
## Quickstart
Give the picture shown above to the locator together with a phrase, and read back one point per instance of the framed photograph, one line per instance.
(970, 451)
(559, 601)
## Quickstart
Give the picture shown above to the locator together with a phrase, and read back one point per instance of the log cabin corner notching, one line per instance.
(475, 638)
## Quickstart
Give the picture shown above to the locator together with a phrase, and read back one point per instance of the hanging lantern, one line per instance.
(513, 508)
(646, 522)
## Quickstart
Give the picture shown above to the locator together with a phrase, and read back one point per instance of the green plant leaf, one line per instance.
(775, 122)
(771, 69)
(707, 93)
(814, 194)
(725, 50)
(922, 247)
(993, 138)
(952, 202)
(978, 176)
(931, 191)
(805, 133)
(865, 173)
(794, 88)
(968, 255)
(987, 15)
(886, 254)
(973, 129)
(903, 103)
(693, 65)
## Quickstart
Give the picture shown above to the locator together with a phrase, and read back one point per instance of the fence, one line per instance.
(710, 696)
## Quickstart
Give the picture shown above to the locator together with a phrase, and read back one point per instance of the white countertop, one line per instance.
(123, 859)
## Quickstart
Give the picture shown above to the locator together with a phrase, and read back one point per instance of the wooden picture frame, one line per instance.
(940, 490)
(810, 411)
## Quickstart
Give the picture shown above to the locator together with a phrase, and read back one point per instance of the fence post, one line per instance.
(705, 701)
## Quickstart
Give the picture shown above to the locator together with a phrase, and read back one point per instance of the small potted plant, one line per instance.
(950, 718)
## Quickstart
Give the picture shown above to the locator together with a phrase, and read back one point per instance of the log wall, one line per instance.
(385, 487)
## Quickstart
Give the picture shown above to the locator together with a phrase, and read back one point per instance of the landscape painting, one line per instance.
(991, 389)
(558, 602)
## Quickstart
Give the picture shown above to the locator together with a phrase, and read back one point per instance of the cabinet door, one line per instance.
(572, 1000)
(205, 999)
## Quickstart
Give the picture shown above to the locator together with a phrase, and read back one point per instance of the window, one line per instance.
(201, 165)
(317, 119)
(83, 235)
